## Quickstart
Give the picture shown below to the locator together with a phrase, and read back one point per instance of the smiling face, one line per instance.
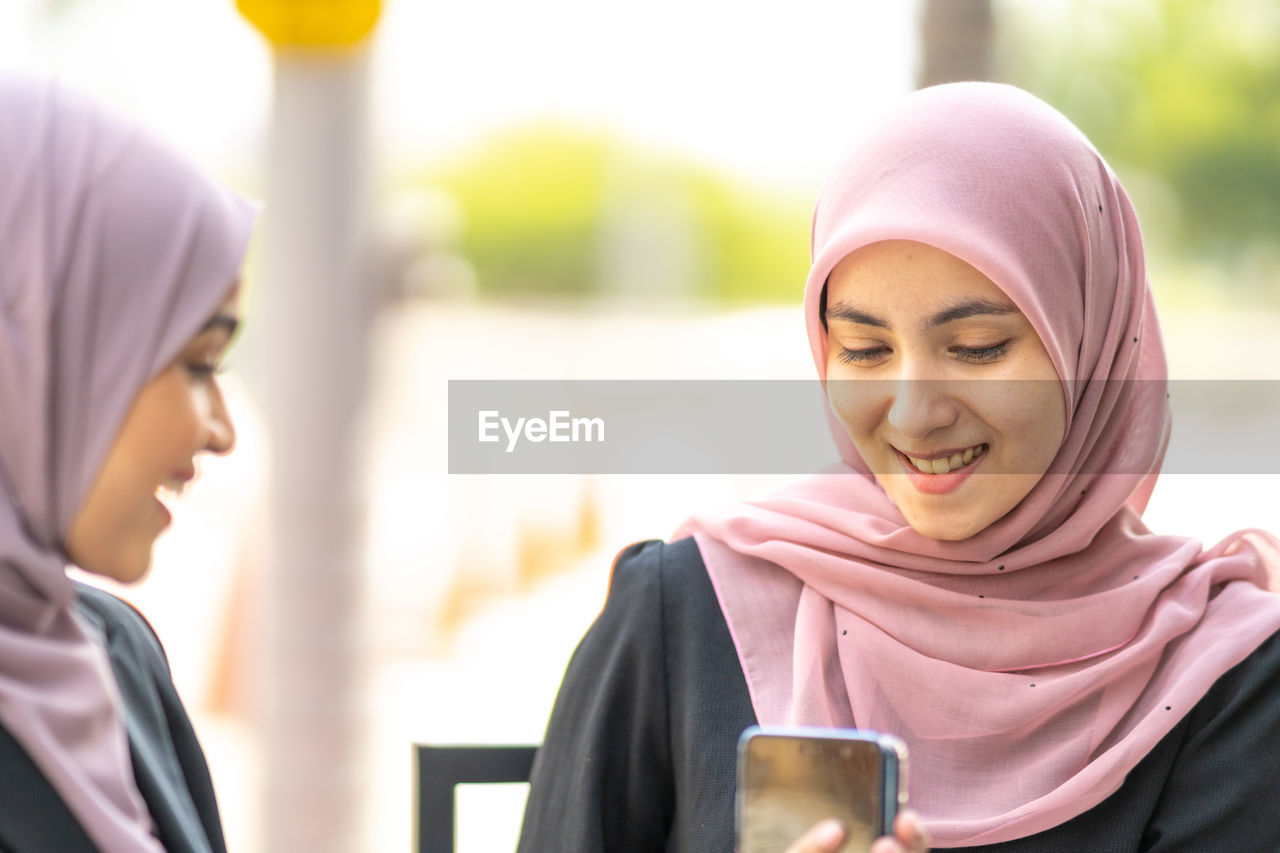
(178, 415)
(954, 455)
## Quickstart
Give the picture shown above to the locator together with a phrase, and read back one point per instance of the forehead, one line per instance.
(904, 278)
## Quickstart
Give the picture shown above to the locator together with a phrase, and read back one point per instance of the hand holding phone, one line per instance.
(828, 837)
(790, 779)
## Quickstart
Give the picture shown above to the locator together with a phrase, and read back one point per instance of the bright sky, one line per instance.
(768, 93)
(192, 70)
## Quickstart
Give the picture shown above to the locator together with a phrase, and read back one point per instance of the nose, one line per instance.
(919, 406)
(222, 430)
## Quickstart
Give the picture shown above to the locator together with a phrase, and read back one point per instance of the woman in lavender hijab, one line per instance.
(119, 271)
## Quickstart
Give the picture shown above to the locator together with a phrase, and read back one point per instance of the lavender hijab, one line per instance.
(1032, 665)
(113, 254)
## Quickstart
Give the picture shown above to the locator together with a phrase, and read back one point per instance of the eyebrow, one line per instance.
(961, 311)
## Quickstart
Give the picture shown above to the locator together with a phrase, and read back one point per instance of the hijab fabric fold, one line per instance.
(1032, 665)
(114, 254)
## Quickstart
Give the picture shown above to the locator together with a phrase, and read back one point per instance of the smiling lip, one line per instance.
(172, 489)
(943, 454)
(940, 484)
(177, 483)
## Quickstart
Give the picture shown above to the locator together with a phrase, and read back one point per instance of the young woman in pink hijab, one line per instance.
(118, 295)
(975, 576)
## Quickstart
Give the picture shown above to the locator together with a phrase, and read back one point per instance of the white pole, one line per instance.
(312, 328)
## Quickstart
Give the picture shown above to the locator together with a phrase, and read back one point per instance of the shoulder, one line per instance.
(111, 610)
(1220, 787)
(107, 606)
(120, 624)
(658, 568)
(662, 584)
(1234, 730)
(661, 590)
(169, 764)
(1263, 662)
(656, 590)
(1253, 685)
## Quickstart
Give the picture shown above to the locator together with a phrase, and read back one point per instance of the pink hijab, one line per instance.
(113, 253)
(1031, 666)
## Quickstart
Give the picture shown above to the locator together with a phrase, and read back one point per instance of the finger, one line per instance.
(886, 844)
(823, 837)
(908, 830)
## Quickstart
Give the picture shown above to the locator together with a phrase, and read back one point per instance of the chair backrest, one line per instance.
(440, 768)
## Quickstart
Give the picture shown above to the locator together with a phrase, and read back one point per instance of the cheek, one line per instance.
(115, 527)
(854, 402)
(1039, 422)
(172, 423)
(1029, 415)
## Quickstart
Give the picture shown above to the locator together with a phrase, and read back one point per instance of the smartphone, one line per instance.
(789, 778)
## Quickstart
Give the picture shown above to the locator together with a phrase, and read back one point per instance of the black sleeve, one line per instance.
(1223, 789)
(602, 779)
(169, 764)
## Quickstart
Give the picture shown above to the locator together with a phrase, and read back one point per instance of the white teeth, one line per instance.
(172, 489)
(945, 465)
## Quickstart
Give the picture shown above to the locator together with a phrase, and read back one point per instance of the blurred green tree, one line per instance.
(1186, 90)
(541, 203)
(531, 199)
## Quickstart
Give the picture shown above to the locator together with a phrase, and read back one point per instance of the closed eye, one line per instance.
(201, 370)
(862, 356)
(982, 355)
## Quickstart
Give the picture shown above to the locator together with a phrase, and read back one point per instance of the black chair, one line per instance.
(440, 768)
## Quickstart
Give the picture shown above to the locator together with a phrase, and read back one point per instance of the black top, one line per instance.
(168, 763)
(640, 753)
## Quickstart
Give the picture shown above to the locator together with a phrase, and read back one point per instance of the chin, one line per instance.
(125, 568)
(945, 529)
(944, 533)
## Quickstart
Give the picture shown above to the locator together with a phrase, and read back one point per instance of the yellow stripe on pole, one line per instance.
(312, 23)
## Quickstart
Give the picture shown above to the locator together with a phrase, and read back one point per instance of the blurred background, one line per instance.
(569, 189)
